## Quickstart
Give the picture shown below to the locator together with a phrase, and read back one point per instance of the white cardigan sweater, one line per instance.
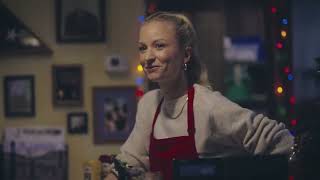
(223, 128)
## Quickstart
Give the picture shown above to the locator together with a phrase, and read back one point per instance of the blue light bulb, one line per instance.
(285, 21)
(139, 81)
(141, 19)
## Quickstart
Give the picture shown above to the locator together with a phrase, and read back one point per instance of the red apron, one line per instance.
(163, 151)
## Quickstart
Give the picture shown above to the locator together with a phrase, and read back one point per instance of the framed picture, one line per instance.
(114, 110)
(80, 20)
(67, 85)
(77, 123)
(19, 99)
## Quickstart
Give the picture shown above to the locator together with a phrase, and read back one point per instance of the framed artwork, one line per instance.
(67, 85)
(80, 20)
(77, 123)
(114, 110)
(19, 99)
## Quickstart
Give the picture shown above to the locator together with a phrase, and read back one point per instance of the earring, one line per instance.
(185, 66)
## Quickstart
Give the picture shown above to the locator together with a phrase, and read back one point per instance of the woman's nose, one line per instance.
(148, 58)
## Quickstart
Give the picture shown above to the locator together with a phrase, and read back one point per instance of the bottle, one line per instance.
(106, 165)
(92, 170)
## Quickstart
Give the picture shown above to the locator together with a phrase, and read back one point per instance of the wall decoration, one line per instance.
(67, 85)
(34, 153)
(77, 123)
(19, 99)
(16, 38)
(80, 20)
(114, 111)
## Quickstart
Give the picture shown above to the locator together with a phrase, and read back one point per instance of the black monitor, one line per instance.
(232, 168)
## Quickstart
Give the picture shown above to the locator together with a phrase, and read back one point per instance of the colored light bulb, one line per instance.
(139, 92)
(139, 68)
(292, 100)
(279, 45)
(139, 81)
(284, 21)
(279, 90)
(152, 8)
(286, 69)
(141, 19)
(282, 111)
(283, 34)
(293, 122)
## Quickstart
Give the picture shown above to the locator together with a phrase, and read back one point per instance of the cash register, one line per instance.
(273, 167)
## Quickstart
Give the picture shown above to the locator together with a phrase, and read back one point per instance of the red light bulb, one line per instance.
(139, 92)
(293, 122)
(286, 69)
(279, 45)
(152, 8)
(292, 100)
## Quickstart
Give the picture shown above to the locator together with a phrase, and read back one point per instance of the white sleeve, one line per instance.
(134, 150)
(260, 135)
(255, 133)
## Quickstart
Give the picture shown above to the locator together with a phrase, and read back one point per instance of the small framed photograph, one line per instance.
(77, 123)
(114, 110)
(19, 99)
(67, 85)
(80, 20)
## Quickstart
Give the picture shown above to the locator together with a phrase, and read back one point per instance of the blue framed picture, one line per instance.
(114, 110)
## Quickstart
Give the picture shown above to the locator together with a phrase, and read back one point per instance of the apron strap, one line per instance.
(191, 128)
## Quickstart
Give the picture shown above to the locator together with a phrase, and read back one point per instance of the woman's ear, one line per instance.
(187, 54)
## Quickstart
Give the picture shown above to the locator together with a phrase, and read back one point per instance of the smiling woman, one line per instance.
(184, 119)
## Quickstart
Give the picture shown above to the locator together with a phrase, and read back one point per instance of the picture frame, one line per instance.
(77, 123)
(19, 96)
(114, 110)
(67, 85)
(80, 20)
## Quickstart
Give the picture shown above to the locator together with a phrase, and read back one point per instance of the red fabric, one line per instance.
(163, 151)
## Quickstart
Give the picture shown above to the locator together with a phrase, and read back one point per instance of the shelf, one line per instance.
(16, 38)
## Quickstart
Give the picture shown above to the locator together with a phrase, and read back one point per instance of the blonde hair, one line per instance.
(187, 37)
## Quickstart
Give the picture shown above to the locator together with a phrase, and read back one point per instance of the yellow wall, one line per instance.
(121, 32)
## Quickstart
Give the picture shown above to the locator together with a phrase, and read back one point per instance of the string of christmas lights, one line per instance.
(151, 7)
(140, 82)
(280, 35)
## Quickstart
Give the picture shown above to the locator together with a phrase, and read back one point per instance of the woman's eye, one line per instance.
(160, 46)
(142, 48)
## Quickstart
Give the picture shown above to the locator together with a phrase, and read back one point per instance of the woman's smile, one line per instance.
(152, 68)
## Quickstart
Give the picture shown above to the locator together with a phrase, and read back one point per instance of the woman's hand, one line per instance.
(111, 176)
(153, 176)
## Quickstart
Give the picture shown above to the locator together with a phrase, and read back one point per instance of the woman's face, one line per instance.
(160, 52)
